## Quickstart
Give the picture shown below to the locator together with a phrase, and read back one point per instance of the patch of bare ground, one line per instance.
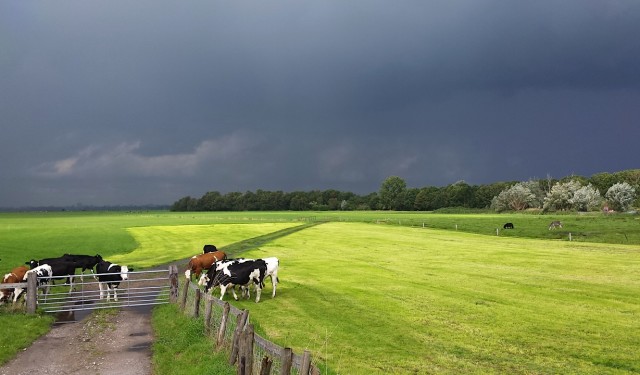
(114, 342)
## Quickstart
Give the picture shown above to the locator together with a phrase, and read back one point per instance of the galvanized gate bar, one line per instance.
(141, 289)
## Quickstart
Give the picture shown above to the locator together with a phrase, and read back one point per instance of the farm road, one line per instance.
(91, 347)
(119, 345)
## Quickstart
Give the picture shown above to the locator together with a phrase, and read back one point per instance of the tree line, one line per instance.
(395, 195)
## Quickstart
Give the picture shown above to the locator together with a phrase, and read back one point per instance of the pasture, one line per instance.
(383, 293)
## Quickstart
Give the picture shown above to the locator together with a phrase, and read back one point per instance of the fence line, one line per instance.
(232, 331)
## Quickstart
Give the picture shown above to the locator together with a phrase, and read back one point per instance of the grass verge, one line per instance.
(181, 346)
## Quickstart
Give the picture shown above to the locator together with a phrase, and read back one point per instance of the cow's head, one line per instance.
(124, 272)
(32, 263)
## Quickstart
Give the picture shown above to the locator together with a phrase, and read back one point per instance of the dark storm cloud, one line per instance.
(118, 102)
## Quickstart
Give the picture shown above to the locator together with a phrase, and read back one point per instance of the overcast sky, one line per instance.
(148, 101)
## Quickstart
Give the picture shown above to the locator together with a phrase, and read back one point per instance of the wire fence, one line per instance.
(230, 329)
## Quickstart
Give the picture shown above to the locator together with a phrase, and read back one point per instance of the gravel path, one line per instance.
(94, 346)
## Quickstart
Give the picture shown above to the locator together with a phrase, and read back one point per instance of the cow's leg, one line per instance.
(115, 293)
(258, 292)
(233, 289)
(16, 293)
(70, 283)
(223, 289)
(274, 283)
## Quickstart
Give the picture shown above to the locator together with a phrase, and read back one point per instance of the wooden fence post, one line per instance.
(223, 325)
(245, 351)
(32, 294)
(240, 322)
(196, 305)
(183, 297)
(173, 282)
(286, 361)
(265, 367)
(306, 363)
(208, 307)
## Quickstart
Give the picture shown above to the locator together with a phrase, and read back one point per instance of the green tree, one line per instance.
(391, 189)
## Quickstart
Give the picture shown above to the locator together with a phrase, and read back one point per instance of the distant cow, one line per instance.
(508, 226)
(43, 274)
(109, 276)
(272, 271)
(555, 224)
(239, 273)
(201, 262)
(209, 249)
(15, 276)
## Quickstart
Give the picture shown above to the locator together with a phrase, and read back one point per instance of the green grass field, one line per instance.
(381, 292)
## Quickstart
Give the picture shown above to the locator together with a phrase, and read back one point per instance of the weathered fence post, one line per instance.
(173, 282)
(207, 313)
(32, 294)
(306, 363)
(196, 304)
(265, 366)
(223, 325)
(183, 297)
(240, 322)
(245, 351)
(286, 361)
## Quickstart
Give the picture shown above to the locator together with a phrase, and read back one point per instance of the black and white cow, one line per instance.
(43, 274)
(85, 262)
(109, 276)
(238, 272)
(60, 268)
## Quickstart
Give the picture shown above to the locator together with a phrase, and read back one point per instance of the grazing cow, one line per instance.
(109, 276)
(203, 262)
(239, 273)
(508, 226)
(209, 249)
(555, 224)
(15, 276)
(43, 274)
(59, 268)
(273, 264)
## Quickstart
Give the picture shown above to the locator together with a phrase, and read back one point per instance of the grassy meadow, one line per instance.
(379, 292)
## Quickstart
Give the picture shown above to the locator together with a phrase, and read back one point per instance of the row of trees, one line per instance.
(573, 192)
(563, 196)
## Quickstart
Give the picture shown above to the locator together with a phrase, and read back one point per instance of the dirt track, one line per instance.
(117, 347)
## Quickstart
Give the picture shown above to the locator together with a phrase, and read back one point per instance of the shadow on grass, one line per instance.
(238, 248)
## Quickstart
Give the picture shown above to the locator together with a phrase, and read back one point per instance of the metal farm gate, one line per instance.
(143, 288)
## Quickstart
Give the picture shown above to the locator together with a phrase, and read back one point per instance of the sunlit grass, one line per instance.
(378, 299)
(163, 244)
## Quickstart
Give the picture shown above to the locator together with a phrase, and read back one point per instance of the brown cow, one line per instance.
(200, 262)
(15, 276)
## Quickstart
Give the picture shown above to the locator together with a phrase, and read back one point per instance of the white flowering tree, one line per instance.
(586, 198)
(518, 197)
(558, 199)
(620, 196)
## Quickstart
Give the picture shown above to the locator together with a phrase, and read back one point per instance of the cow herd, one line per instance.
(109, 275)
(211, 269)
(230, 273)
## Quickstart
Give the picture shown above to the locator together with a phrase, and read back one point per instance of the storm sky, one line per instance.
(145, 102)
